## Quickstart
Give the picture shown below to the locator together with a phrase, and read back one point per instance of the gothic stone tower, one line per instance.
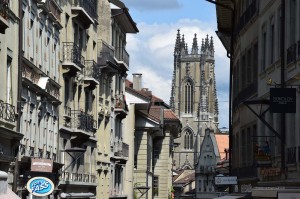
(193, 97)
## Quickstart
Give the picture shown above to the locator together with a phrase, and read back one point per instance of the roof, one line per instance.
(185, 177)
(170, 115)
(223, 143)
(224, 20)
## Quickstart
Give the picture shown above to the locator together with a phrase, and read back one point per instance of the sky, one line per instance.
(151, 50)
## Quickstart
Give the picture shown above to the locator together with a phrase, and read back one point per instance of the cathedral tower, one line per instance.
(193, 97)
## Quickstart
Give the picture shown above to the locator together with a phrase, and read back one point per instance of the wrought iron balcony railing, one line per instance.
(83, 121)
(122, 55)
(291, 54)
(72, 53)
(92, 69)
(7, 112)
(120, 102)
(78, 177)
(90, 6)
(4, 6)
(106, 54)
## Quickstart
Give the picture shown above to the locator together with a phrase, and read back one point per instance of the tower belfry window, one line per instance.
(188, 140)
(188, 97)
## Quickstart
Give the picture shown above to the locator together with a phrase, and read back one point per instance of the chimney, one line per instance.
(137, 81)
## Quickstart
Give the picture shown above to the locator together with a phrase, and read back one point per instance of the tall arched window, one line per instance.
(188, 96)
(188, 140)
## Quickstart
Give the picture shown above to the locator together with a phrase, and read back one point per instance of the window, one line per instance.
(9, 81)
(249, 67)
(272, 41)
(255, 62)
(188, 140)
(188, 96)
(155, 185)
(67, 90)
(292, 24)
(243, 71)
(264, 51)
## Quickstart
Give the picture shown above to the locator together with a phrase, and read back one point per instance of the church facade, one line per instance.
(193, 98)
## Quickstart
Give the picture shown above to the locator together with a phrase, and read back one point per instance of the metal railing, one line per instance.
(7, 112)
(30, 74)
(4, 6)
(83, 121)
(120, 102)
(121, 149)
(78, 177)
(72, 53)
(106, 54)
(122, 55)
(90, 6)
(92, 69)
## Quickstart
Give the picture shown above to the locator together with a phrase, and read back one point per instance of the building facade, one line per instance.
(10, 135)
(62, 102)
(193, 97)
(264, 52)
(155, 128)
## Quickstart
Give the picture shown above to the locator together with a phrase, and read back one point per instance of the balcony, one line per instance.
(7, 112)
(53, 10)
(85, 10)
(30, 74)
(73, 60)
(121, 150)
(4, 7)
(106, 59)
(91, 73)
(79, 123)
(83, 179)
(120, 106)
(246, 17)
(122, 57)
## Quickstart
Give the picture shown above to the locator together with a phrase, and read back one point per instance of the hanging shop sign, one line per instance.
(40, 186)
(41, 165)
(283, 100)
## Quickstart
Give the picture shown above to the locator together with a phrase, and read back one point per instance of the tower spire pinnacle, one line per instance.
(195, 45)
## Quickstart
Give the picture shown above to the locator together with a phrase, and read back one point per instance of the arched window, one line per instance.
(188, 140)
(188, 96)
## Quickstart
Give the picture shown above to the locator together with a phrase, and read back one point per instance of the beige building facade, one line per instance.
(155, 128)
(262, 60)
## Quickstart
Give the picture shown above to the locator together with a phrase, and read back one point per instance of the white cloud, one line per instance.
(143, 5)
(151, 53)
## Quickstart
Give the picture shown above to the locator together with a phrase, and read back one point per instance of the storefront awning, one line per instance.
(229, 197)
(77, 195)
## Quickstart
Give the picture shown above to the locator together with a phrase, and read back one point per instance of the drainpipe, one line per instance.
(20, 52)
(282, 85)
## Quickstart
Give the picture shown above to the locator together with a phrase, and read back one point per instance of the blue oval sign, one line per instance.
(40, 186)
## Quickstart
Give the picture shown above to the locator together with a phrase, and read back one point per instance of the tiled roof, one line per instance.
(170, 115)
(223, 143)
